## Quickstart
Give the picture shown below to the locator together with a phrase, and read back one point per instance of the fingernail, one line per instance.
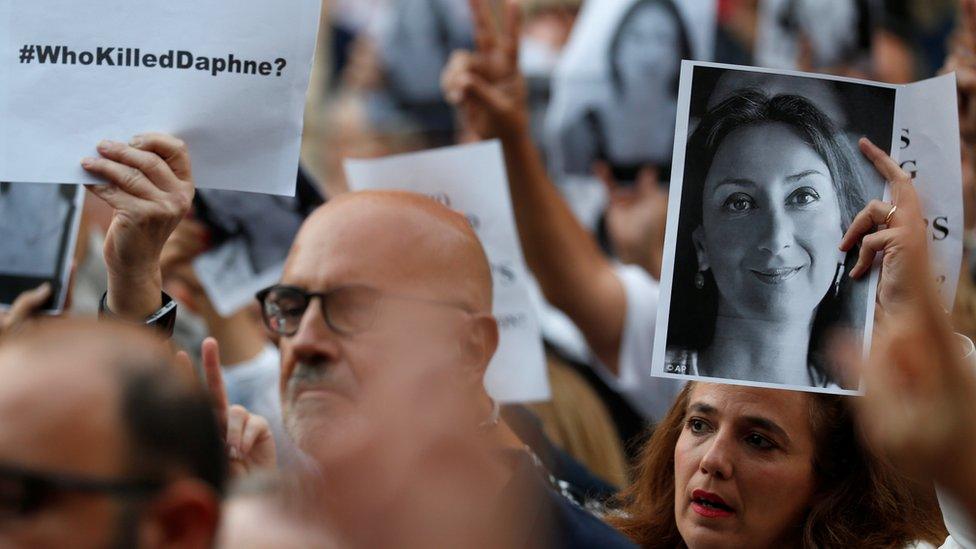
(233, 453)
(87, 162)
(105, 145)
(136, 141)
(44, 288)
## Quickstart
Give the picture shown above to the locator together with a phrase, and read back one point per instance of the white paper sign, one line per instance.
(927, 121)
(228, 77)
(767, 178)
(472, 180)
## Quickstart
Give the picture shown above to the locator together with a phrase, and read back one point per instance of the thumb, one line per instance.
(28, 303)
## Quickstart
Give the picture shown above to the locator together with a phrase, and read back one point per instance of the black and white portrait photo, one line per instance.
(642, 62)
(38, 231)
(771, 181)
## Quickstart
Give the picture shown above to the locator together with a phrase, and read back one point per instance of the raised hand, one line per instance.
(920, 391)
(486, 85)
(905, 273)
(150, 186)
(250, 444)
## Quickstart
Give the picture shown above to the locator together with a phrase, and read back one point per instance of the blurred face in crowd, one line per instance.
(58, 421)
(743, 467)
(771, 224)
(256, 521)
(646, 48)
(408, 288)
(66, 462)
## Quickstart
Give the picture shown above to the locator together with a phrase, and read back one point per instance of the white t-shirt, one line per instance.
(254, 385)
(651, 397)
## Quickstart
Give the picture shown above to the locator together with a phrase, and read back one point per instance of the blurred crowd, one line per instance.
(346, 406)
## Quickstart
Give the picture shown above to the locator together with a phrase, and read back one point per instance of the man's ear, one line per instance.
(698, 238)
(185, 514)
(479, 346)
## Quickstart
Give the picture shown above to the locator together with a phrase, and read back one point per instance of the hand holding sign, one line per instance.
(250, 445)
(486, 85)
(150, 185)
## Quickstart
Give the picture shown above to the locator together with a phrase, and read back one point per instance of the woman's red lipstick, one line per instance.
(710, 505)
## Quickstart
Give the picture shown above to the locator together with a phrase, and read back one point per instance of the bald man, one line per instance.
(383, 286)
(403, 276)
(103, 443)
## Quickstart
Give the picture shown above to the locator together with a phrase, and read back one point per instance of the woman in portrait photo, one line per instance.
(760, 285)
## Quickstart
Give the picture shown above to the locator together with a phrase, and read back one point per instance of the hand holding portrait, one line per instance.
(906, 276)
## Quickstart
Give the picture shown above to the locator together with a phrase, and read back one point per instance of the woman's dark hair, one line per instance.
(684, 42)
(692, 324)
(860, 499)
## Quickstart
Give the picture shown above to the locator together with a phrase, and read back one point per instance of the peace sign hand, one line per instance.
(486, 85)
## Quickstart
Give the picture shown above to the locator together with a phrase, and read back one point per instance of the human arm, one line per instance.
(920, 383)
(150, 187)
(489, 93)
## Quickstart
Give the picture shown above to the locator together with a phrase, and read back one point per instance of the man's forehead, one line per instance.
(371, 239)
(58, 418)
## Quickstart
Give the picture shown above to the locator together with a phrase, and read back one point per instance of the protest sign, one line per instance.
(927, 122)
(38, 233)
(767, 179)
(471, 179)
(251, 236)
(227, 77)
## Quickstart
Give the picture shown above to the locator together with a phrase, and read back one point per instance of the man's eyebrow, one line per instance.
(806, 173)
(767, 425)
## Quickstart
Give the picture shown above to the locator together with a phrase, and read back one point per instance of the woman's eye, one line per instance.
(759, 442)
(697, 426)
(738, 203)
(803, 197)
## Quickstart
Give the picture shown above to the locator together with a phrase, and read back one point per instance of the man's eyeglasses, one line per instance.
(347, 310)
(24, 492)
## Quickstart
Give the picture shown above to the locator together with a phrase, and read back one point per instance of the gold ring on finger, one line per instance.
(891, 214)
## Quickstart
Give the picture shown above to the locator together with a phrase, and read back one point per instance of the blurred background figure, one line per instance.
(104, 442)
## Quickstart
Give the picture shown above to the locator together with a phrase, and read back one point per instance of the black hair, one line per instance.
(693, 323)
(684, 43)
(171, 426)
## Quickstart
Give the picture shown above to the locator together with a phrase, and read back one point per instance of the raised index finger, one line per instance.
(215, 380)
(902, 192)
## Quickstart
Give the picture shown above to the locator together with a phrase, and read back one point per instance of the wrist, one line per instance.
(135, 294)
